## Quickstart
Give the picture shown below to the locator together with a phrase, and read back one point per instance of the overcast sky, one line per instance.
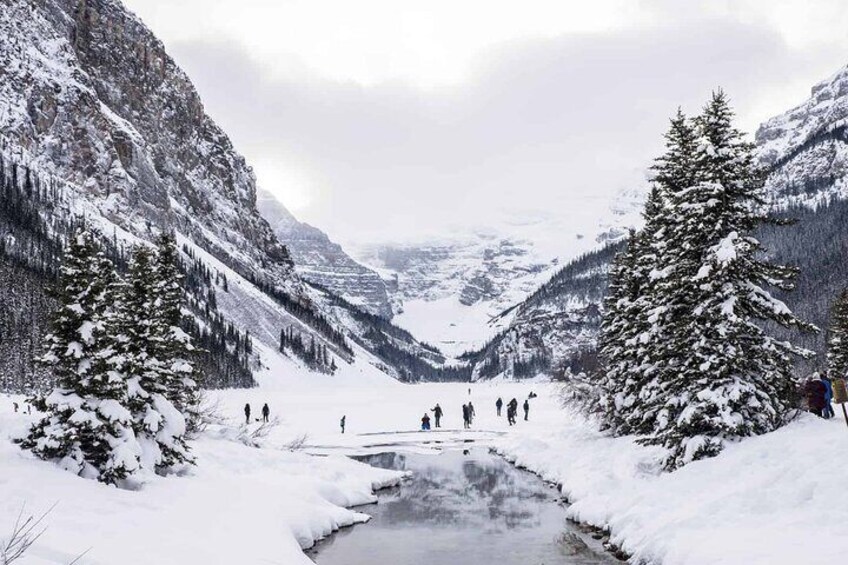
(384, 120)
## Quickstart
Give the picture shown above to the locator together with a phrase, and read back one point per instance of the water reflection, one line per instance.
(461, 508)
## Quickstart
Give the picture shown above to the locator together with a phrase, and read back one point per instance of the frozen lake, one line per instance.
(461, 506)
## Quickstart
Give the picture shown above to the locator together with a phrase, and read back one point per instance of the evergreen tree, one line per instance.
(727, 377)
(172, 346)
(639, 312)
(837, 343)
(86, 426)
(617, 329)
(158, 423)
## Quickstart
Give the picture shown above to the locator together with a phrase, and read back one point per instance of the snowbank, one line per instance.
(239, 505)
(778, 498)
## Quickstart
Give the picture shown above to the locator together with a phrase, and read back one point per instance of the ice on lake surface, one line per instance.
(470, 507)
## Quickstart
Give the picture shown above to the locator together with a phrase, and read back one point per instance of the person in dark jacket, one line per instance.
(499, 405)
(815, 391)
(526, 409)
(828, 397)
(512, 411)
(425, 422)
(342, 423)
(471, 413)
(437, 414)
(247, 413)
(465, 422)
(265, 412)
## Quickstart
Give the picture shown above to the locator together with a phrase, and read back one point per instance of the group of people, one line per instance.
(266, 412)
(818, 391)
(468, 413)
(512, 409)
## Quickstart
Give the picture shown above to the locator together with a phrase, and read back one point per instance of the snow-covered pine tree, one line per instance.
(159, 425)
(837, 340)
(618, 328)
(86, 426)
(173, 347)
(637, 312)
(659, 354)
(728, 378)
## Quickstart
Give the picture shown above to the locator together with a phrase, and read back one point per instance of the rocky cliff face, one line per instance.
(807, 147)
(91, 95)
(321, 261)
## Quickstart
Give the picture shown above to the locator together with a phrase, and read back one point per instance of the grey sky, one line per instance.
(398, 119)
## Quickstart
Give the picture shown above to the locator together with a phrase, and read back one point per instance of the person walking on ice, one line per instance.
(247, 413)
(437, 414)
(499, 405)
(471, 413)
(526, 409)
(465, 422)
(342, 423)
(265, 412)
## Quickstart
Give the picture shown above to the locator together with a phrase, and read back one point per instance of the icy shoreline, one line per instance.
(239, 504)
(770, 499)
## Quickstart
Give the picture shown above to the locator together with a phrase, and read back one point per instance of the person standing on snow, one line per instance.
(499, 405)
(437, 413)
(815, 391)
(827, 412)
(512, 411)
(247, 413)
(465, 416)
(342, 423)
(265, 412)
(526, 409)
(425, 422)
(470, 413)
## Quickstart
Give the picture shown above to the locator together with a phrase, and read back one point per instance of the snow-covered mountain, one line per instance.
(452, 291)
(93, 98)
(322, 261)
(807, 147)
(93, 107)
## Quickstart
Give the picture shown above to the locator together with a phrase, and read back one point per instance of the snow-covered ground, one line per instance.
(774, 499)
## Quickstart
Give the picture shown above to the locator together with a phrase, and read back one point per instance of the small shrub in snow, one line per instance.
(25, 532)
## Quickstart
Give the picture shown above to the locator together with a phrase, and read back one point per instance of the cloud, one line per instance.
(554, 125)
